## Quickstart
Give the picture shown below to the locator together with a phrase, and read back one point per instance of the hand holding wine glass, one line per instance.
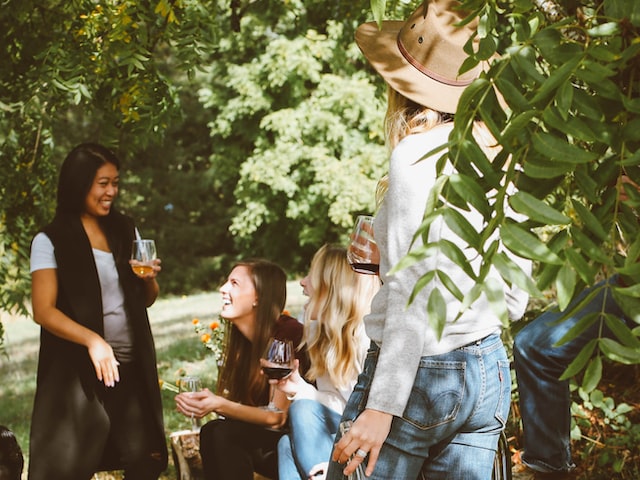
(277, 362)
(143, 256)
(363, 254)
(191, 384)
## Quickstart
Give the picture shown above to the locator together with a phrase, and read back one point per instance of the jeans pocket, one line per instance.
(504, 402)
(437, 393)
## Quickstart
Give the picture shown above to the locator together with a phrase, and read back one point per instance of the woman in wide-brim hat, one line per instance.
(427, 403)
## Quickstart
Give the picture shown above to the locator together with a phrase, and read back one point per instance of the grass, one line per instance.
(179, 351)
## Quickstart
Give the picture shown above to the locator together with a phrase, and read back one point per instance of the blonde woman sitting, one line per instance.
(336, 344)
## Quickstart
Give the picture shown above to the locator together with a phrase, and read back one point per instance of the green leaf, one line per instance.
(537, 210)
(561, 150)
(588, 247)
(619, 353)
(632, 291)
(571, 125)
(580, 265)
(513, 95)
(564, 99)
(470, 191)
(592, 374)
(604, 30)
(377, 7)
(621, 331)
(580, 360)
(437, 312)
(422, 282)
(517, 125)
(542, 169)
(450, 285)
(578, 328)
(526, 245)
(589, 220)
(494, 292)
(461, 227)
(565, 286)
(557, 78)
(513, 274)
(524, 63)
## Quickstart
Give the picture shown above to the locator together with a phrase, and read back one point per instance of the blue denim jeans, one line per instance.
(453, 419)
(545, 401)
(309, 441)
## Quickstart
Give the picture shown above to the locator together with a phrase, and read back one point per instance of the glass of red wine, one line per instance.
(277, 363)
(362, 254)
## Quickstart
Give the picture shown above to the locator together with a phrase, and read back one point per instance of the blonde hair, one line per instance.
(406, 117)
(341, 298)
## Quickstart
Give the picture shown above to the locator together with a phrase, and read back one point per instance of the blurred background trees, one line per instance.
(254, 127)
(245, 127)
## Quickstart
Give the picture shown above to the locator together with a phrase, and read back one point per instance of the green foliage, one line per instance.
(202, 100)
(568, 134)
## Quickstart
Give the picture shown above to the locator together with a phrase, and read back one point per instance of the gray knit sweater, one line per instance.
(402, 332)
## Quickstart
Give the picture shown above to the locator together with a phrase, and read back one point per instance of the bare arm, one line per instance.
(44, 288)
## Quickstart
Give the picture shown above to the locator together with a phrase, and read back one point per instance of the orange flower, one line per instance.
(214, 325)
(195, 321)
(205, 337)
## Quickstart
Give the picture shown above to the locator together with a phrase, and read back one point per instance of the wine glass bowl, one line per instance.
(143, 253)
(277, 363)
(362, 253)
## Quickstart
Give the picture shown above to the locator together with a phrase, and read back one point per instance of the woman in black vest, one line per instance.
(97, 404)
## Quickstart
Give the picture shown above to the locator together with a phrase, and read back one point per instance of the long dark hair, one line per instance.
(240, 379)
(77, 174)
(11, 458)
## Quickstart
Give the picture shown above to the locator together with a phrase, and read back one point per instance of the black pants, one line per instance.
(233, 450)
(131, 445)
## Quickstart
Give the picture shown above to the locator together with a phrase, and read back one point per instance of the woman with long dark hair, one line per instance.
(253, 299)
(97, 403)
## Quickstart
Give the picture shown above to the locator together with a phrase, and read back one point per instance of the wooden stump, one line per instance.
(185, 447)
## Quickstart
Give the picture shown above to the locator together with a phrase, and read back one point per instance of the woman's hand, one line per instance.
(197, 404)
(104, 361)
(291, 384)
(367, 434)
(155, 268)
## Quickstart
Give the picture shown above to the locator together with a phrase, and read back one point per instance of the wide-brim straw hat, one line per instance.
(421, 57)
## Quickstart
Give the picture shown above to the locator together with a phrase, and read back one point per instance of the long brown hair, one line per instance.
(240, 379)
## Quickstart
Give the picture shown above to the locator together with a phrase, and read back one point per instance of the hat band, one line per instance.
(433, 75)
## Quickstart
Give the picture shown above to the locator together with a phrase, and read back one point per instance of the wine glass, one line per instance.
(277, 363)
(358, 474)
(362, 254)
(144, 253)
(191, 384)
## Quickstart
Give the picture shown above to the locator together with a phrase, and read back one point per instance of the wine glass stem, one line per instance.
(272, 391)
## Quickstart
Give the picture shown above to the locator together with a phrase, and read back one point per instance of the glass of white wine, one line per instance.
(143, 253)
(191, 384)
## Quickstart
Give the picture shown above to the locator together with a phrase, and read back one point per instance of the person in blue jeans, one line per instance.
(336, 344)
(432, 399)
(545, 401)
